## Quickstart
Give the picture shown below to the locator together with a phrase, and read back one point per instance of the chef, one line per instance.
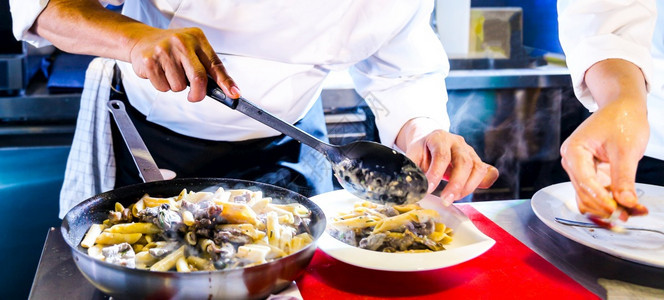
(617, 67)
(276, 54)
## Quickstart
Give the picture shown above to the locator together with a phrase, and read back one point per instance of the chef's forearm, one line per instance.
(617, 80)
(86, 27)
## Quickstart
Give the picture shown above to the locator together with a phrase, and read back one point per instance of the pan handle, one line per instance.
(147, 167)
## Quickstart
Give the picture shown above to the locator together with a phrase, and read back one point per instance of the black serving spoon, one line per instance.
(369, 170)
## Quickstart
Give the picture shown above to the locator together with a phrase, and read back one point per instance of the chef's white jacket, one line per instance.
(280, 52)
(595, 30)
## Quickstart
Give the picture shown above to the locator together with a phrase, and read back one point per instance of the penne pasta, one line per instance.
(273, 229)
(237, 213)
(286, 219)
(418, 216)
(92, 235)
(181, 265)
(145, 228)
(110, 238)
(221, 195)
(205, 245)
(257, 195)
(246, 229)
(199, 231)
(285, 238)
(200, 264)
(294, 208)
(440, 233)
(143, 240)
(406, 208)
(118, 207)
(169, 261)
(405, 228)
(153, 202)
(260, 206)
(253, 252)
(138, 206)
(188, 218)
(196, 197)
(276, 252)
(299, 241)
(148, 238)
(145, 258)
(182, 194)
(151, 245)
(356, 222)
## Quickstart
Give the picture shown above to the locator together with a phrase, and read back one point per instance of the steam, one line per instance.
(510, 127)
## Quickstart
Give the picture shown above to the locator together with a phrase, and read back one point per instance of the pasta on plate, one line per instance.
(398, 228)
(199, 231)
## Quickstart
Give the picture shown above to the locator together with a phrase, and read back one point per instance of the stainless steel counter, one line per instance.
(541, 77)
(339, 86)
(58, 278)
(581, 263)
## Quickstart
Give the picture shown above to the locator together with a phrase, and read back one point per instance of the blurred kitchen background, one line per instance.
(510, 97)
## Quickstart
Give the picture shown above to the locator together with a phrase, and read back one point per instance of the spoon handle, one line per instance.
(246, 107)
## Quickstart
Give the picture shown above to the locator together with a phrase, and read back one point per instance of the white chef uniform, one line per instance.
(595, 30)
(280, 52)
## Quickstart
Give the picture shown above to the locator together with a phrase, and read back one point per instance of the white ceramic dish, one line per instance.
(467, 242)
(637, 246)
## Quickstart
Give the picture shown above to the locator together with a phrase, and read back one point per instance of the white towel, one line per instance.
(91, 164)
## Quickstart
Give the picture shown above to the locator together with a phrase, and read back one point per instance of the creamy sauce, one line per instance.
(407, 186)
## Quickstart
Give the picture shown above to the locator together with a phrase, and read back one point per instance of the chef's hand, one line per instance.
(171, 58)
(445, 156)
(605, 149)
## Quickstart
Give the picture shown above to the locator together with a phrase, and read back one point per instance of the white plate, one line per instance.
(637, 246)
(467, 242)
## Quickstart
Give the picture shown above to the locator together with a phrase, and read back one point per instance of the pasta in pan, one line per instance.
(399, 228)
(199, 231)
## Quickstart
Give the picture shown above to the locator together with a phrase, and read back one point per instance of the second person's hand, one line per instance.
(601, 156)
(604, 152)
(445, 156)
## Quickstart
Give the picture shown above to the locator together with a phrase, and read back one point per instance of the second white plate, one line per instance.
(467, 242)
(643, 247)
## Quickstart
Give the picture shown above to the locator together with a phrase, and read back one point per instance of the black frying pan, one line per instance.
(121, 282)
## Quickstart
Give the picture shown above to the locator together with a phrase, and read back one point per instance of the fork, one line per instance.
(592, 225)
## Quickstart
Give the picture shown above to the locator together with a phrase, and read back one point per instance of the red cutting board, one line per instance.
(509, 270)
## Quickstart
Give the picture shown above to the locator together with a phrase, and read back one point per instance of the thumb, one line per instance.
(623, 177)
